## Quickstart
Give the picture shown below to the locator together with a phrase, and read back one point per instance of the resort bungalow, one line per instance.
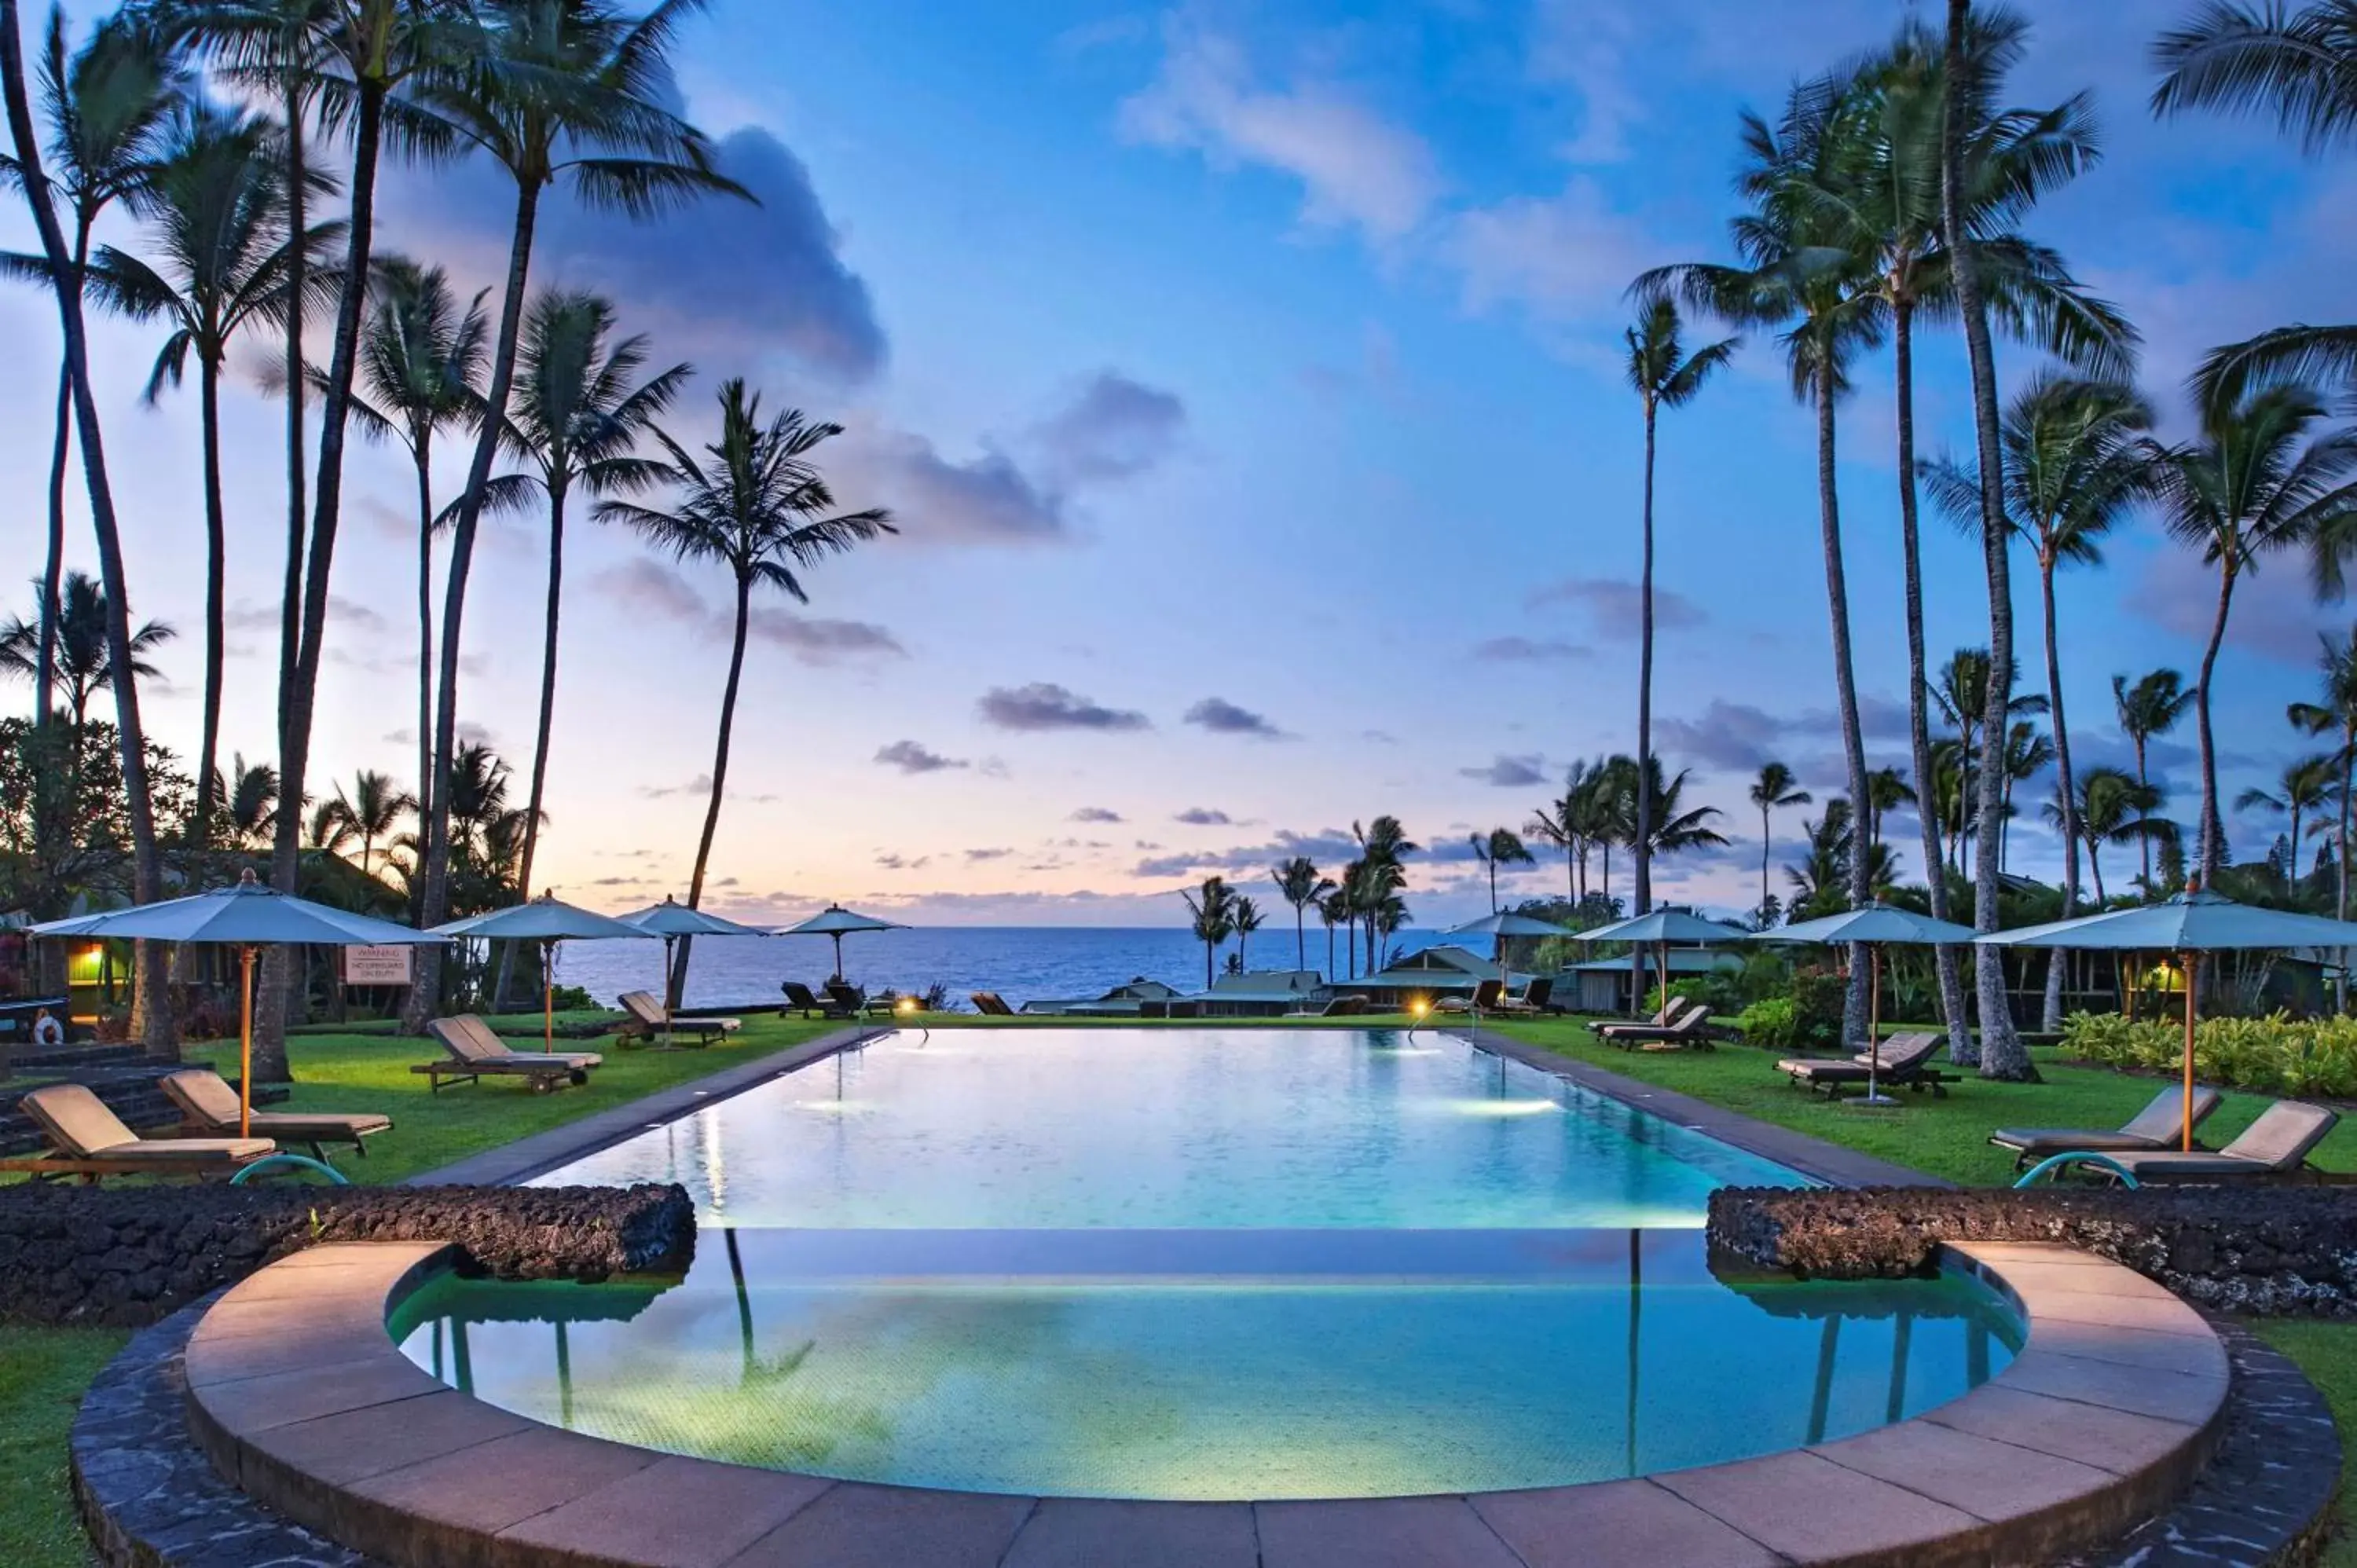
(1603, 985)
(1121, 1002)
(1435, 972)
(1266, 994)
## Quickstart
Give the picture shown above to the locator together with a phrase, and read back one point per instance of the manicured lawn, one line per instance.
(42, 1374)
(2327, 1352)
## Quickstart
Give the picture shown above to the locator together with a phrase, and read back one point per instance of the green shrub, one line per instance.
(1817, 1008)
(1772, 1024)
(2275, 1055)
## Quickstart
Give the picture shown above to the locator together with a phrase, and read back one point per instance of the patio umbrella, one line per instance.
(2189, 925)
(1658, 930)
(249, 918)
(672, 919)
(548, 922)
(834, 920)
(1870, 928)
(1502, 925)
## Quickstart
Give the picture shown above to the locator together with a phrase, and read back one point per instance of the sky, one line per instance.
(1244, 379)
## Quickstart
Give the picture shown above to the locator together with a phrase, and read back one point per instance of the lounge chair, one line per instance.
(1534, 999)
(648, 1019)
(1350, 1006)
(2278, 1145)
(91, 1142)
(209, 1110)
(850, 1002)
(800, 999)
(473, 1052)
(2159, 1126)
(991, 1004)
(1671, 1012)
(1486, 998)
(1689, 1027)
(1905, 1063)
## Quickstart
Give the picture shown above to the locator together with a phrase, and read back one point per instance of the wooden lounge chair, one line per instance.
(91, 1143)
(650, 1019)
(1534, 999)
(991, 1004)
(2159, 1126)
(1669, 1013)
(1350, 1006)
(2276, 1146)
(1689, 1026)
(803, 1000)
(209, 1110)
(473, 1053)
(1486, 998)
(851, 1002)
(1905, 1063)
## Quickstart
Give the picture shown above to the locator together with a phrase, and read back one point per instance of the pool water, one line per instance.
(1179, 1128)
(1199, 1264)
(1274, 1365)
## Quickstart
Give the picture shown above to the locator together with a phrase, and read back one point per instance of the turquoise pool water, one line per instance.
(1178, 1129)
(1200, 1264)
(1271, 1365)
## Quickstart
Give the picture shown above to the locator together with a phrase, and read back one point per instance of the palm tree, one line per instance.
(754, 503)
(375, 804)
(1299, 884)
(1552, 824)
(218, 218)
(2305, 788)
(2301, 67)
(2336, 714)
(1820, 882)
(1500, 846)
(79, 660)
(2253, 485)
(2114, 807)
(1963, 697)
(1247, 918)
(2148, 710)
(1336, 909)
(107, 105)
(2028, 751)
(1663, 375)
(1795, 274)
(563, 91)
(152, 1017)
(1774, 790)
(1887, 789)
(1213, 908)
(249, 801)
(575, 417)
(421, 370)
(1384, 844)
(1674, 826)
(2076, 464)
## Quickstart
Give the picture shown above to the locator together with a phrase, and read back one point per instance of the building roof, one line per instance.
(1682, 961)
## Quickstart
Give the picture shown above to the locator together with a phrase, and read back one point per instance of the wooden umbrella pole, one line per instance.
(547, 998)
(245, 1043)
(2189, 960)
(1873, 1022)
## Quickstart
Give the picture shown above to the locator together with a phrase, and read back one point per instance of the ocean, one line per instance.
(1021, 963)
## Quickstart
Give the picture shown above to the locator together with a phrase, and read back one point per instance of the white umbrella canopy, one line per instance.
(836, 921)
(548, 921)
(248, 917)
(2190, 924)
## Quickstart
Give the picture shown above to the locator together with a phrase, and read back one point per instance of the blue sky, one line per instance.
(1244, 375)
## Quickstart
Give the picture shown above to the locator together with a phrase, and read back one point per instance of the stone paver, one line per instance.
(1979, 1475)
(2112, 1440)
(2196, 1355)
(1379, 1532)
(1808, 1508)
(336, 1450)
(1632, 1522)
(482, 1490)
(2171, 1396)
(1084, 1532)
(855, 1526)
(282, 1399)
(673, 1513)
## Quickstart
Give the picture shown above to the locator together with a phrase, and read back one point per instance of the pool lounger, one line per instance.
(2276, 1147)
(1905, 1063)
(91, 1142)
(472, 1051)
(2158, 1126)
(209, 1109)
(649, 1018)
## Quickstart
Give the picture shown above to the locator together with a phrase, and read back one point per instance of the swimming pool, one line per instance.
(1201, 1264)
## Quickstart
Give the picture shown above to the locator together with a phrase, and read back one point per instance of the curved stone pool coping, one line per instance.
(298, 1394)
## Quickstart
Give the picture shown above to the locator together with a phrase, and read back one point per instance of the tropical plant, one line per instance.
(2148, 710)
(1299, 884)
(2336, 715)
(80, 663)
(756, 503)
(2114, 807)
(570, 92)
(1500, 846)
(575, 416)
(1212, 908)
(217, 215)
(1553, 823)
(421, 369)
(1963, 697)
(1246, 918)
(1887, 789)
(1820, 881)
(2255, 485)
(1774, 790)
(371, 810)
(1335, 908)
(2306, 788)
(1663, 375)
(2028, 752)
(1384, 844)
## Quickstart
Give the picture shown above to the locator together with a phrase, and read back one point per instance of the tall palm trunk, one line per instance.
(547, 694)
(2095, 869)
(425, 454)
(1300, 939)
(1643, 848)
(147, 869)
(2052, 1019)
(1767, 848)
(290, 612)
(2143, 818)
(216, 610)
(1961, 1048)
(1854, 997)
(2340, 891)
(436, 896)
(2002, 1053)
(2210, 846)
(678, 977)
(298, 697)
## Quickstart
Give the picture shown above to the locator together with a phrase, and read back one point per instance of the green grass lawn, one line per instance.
(42, 1374)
